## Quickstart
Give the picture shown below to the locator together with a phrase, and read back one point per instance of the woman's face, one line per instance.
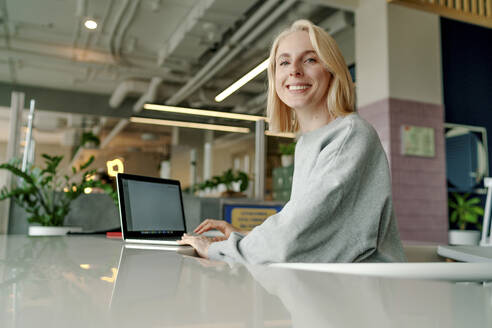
(301, 80)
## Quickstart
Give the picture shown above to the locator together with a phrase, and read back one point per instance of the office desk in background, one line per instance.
(72, 282)
(476, 254)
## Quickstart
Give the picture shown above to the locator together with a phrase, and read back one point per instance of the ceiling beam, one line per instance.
(193, 17)
(350, 5)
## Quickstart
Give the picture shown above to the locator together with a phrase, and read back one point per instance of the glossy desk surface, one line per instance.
(80, 282)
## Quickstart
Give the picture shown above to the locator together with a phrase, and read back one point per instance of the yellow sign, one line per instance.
(246, 218)
(114, 167)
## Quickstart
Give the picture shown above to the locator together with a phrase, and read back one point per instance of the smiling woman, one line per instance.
(340, 208)
(307, 69)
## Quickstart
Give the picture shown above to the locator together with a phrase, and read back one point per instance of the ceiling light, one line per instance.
(192, 125)
(202, 112)
(90, 24)
(242, 81)
(281, 134)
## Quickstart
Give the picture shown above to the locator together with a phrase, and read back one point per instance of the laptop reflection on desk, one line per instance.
(144, 277)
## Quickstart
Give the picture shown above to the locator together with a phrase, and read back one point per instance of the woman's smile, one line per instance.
(297, 88)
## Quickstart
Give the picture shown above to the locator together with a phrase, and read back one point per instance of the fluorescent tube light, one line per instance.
(192, 125)
(281, 134)
(242, 81)
(202, 112)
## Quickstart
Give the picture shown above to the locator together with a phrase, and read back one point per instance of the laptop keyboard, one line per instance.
(161, 238)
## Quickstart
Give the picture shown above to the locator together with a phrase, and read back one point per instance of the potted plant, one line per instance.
(46, 195)
(287, 153)
(228, 179)
(465, 214)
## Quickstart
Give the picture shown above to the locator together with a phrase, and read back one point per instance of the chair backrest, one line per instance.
(487, 227)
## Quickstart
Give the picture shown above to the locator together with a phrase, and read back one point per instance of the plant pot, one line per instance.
(463, 237)
(51, 231)
(232, 194)
(287, 160)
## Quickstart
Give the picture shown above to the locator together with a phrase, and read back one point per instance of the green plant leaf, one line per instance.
(86, 164)
(473, 201)
(460, 200)
(89, 137)
(454, 216)
(471, 218)
(16, 171)
(244, 180)
(477, 210)
(287, 149)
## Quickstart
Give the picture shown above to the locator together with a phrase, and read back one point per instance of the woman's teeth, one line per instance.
(298, 87)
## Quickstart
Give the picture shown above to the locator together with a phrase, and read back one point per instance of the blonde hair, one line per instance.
(340, 95)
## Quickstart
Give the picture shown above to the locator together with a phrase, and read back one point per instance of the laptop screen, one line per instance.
(150, 207)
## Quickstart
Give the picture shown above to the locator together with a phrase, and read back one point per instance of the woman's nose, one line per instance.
(295, 70)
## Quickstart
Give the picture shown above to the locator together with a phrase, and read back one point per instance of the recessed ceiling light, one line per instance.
(90, 24)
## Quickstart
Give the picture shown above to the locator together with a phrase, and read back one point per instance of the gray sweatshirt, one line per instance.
(340, 208)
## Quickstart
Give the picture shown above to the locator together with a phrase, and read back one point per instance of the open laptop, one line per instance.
(151, 210)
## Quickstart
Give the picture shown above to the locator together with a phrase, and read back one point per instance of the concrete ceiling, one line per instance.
(179, 52)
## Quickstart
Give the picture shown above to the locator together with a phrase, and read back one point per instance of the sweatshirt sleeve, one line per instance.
(316, 225)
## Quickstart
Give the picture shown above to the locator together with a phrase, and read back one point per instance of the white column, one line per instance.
(371, 55)
(193, 167)
(207, 155)
(16, 107)
(260, 151)
(175, 136)
(398, 53)
(165, 171)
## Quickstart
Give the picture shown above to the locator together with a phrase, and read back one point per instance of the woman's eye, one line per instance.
(310, 60)
(283, 63)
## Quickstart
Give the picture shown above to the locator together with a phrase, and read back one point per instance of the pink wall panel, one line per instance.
(419, 183)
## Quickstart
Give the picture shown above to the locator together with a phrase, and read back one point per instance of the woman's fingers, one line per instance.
(185, 240)
(202, 225)
(210, 224)
(199, 243)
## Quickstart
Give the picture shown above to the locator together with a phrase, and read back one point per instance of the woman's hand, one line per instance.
(199, 243)
(220, 225)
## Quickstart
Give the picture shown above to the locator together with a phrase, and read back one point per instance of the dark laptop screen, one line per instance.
(152, 207)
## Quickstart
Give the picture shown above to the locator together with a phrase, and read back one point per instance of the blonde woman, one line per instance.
(340, 208)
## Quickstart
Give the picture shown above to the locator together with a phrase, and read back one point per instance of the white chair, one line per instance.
(487, 227)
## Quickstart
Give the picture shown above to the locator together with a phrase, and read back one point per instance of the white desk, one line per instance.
(70, 282)
(477, 254)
